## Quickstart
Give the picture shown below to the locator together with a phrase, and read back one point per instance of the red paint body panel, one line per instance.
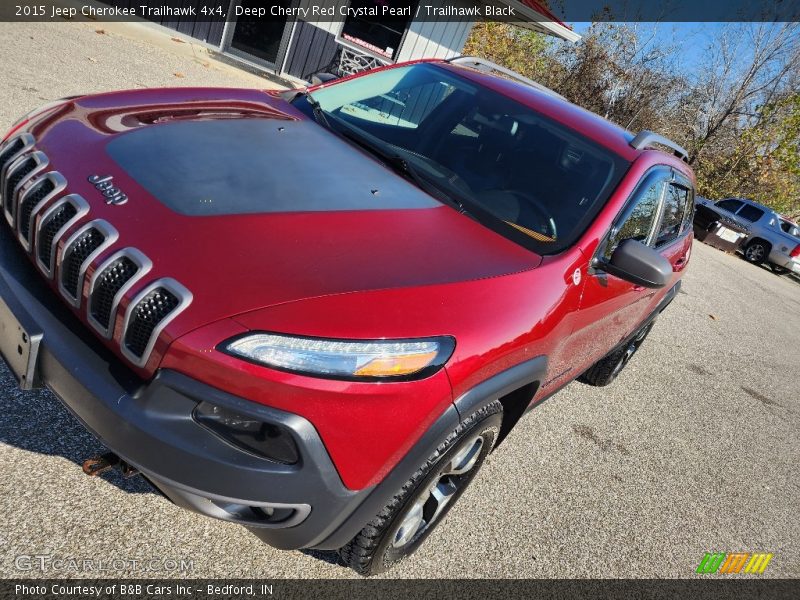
(354, 274)
(238, 263)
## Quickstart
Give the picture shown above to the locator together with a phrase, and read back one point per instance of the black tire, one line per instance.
(757, 251)
(374, 549)
(606, 370)
(779, 270)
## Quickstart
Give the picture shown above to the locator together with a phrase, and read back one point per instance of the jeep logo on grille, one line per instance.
(112, 194)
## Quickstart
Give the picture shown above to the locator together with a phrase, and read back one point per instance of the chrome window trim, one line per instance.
(59, 185)
(185, 299)
(143, 264)
(111, 236)
(82, 208)
(28, 141)
(42, 163)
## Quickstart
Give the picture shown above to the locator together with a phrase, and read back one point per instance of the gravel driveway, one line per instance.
(695, 448)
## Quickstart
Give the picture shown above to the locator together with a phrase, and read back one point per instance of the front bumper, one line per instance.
(150, 426)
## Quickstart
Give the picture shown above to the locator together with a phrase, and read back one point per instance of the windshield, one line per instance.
(515, 170)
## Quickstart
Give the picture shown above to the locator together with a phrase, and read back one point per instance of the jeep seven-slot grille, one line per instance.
(13, 180)
(74, 257)
(48, 232)
(146, 315)
(10, 151)
(108, 283)
(148, 312)
(33, 197)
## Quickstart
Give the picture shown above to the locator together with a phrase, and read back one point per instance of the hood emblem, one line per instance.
(113, 195)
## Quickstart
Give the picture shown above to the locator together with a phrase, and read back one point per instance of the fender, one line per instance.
(495, 387)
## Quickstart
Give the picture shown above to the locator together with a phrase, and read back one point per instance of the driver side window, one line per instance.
(639, 220)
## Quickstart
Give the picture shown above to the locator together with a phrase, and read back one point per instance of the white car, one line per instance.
(770, 238)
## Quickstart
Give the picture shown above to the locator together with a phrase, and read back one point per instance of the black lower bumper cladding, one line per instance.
(149, 425)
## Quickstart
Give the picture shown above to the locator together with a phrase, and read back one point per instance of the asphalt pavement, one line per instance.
(693, 449)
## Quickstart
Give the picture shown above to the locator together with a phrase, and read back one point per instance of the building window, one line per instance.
(378, 25)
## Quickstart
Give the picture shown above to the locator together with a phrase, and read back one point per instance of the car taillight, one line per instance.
(796, 252)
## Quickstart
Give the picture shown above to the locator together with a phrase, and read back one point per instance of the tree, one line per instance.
(518, 49)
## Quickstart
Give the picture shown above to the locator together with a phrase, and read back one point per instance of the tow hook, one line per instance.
(105, 462)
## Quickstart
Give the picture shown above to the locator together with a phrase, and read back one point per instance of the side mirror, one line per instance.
(320, 78)
(635, 262)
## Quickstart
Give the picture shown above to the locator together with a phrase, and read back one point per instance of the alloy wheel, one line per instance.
(428, 505)
(755, 253)
(631, 349)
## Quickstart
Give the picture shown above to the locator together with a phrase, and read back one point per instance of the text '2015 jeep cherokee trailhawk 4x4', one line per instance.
(314, 313)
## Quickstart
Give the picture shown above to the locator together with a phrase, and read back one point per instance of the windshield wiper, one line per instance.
(401, 164)
(319, 114)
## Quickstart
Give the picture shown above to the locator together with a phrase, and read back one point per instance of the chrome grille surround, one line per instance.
(184, 299)
(81, 208)
(12, 171)
(25, 230)
(110, 236)
(143, 266)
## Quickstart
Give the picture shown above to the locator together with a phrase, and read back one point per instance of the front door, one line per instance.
(262, 40)
(612, 308)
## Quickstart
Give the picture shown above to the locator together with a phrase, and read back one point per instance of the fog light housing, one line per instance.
(265, 440)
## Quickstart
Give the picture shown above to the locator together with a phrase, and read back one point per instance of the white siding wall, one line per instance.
(434, 39)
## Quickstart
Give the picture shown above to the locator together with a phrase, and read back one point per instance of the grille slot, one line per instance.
(50, 228)
(110, 281)
(10, 152)
(109, 284)
(52, 225)
(148, 314)
(13, 148)
(36, 194)
(74, 257)
(80, 249)
(13, 179)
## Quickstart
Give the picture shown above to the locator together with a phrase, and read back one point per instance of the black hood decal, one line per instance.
(226, 167)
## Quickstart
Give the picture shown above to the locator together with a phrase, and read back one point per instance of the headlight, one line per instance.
(344, 359)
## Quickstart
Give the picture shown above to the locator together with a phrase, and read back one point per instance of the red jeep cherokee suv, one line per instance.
(315, 312)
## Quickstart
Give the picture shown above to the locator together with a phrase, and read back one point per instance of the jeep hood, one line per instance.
(249, 204)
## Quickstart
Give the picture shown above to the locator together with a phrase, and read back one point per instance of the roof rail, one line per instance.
(487, 66)
(647, 139)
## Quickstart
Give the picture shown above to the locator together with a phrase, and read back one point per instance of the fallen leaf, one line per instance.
(100, 31)
(713, 317)
(179, 75)
(180, 41)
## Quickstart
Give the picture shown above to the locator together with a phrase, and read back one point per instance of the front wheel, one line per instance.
(421, 504)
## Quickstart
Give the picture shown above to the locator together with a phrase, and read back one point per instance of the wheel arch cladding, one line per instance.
(515, 387)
